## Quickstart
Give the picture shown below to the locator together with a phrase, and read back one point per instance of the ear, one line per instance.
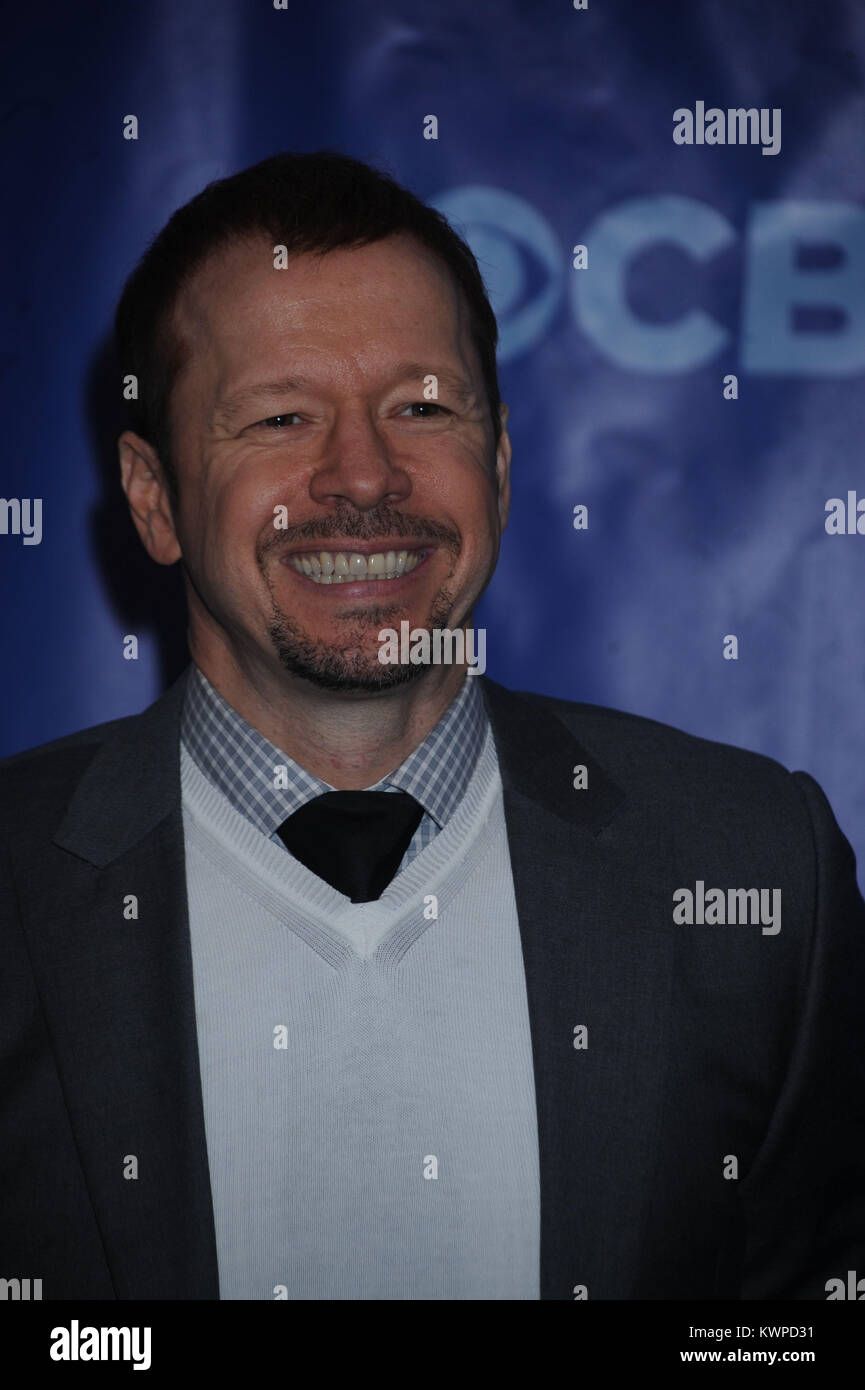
(503, 467)
(143, 480)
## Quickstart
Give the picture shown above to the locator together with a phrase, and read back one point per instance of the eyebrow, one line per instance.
(230, 406)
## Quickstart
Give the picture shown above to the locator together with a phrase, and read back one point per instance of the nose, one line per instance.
(359, 466)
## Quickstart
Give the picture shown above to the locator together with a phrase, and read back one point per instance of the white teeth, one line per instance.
(329, 568)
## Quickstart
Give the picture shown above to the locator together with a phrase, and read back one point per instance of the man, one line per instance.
(335, 977)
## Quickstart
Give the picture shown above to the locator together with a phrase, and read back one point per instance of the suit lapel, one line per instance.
(118, 997)
(584, 895)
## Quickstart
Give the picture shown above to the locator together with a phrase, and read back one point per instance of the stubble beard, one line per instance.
(351, 665)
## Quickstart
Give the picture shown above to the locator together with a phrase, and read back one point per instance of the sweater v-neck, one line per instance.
(339, 930)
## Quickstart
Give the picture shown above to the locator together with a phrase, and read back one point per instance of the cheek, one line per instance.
(463, 488)
(476, 511)
(227, 528)
(251, 494)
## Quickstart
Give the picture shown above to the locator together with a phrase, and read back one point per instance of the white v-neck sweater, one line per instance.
(366, 1068)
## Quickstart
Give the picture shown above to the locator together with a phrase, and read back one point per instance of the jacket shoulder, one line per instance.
(635, 747)
(39, 782)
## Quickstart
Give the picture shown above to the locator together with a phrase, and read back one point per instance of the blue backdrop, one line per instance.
(706, 515)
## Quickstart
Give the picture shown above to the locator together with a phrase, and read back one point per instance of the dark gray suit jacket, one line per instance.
(705, 1043)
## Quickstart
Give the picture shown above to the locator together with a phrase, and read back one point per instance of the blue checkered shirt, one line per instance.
(242, 763)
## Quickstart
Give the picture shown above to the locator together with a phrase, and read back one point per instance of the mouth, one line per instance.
(362, 566)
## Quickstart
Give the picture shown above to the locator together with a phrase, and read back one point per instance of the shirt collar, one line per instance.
(246, 767)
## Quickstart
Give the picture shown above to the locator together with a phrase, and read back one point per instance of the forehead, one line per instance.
(352, 308)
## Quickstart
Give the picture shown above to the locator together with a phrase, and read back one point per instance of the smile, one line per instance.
(341, 567)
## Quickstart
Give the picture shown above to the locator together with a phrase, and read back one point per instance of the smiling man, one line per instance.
(333, 978)
(303, 396)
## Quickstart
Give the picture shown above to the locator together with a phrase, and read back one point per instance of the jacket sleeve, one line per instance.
(804, 1195)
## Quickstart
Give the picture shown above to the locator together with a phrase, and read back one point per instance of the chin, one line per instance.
(346, 670)
(353, 681)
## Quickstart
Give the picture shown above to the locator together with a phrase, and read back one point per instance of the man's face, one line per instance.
(303, 402)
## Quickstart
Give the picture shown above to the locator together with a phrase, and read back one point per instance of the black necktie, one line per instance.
(353, 840)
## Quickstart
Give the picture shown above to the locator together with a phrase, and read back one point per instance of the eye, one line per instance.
(276, 422)
(426, 405)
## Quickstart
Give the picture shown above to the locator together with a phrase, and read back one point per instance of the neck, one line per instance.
(349, 741)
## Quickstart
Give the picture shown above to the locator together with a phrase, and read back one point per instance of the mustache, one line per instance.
(379, 524)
